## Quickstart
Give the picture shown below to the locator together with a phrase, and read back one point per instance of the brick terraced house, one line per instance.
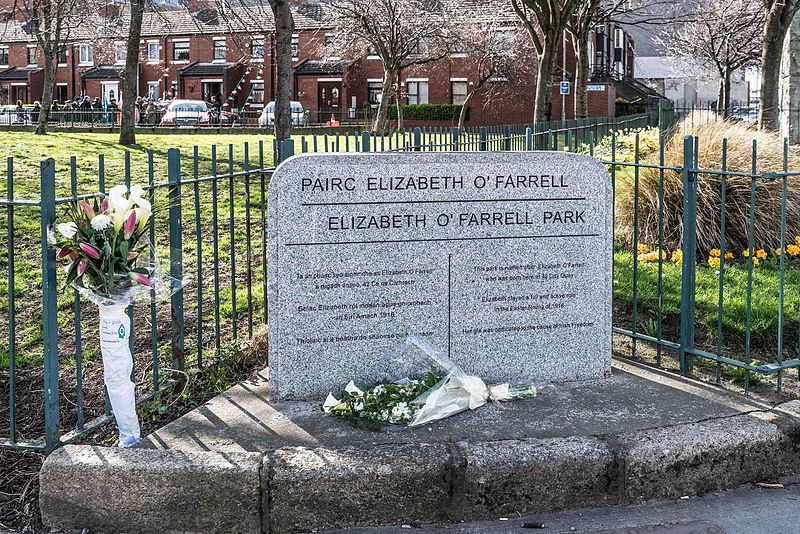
(192, 50)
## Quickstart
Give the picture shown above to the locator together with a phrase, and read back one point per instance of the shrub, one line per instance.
(427, 112)
(626, 145)
(740, 138)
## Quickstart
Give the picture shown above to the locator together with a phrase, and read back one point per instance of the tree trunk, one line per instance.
(127, 129)
(726, 93)
(383, 106)
(544, 78)
(284, 26)
(462, 117)
(721, 94)
(774, 33)
(47, 89)
(581, 96)
(398, 96)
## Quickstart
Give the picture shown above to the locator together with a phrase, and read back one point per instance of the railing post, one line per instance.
(483, 142)
(417, 139)
(507, 137)
(528, 138)
(176, 261)
(689, 255)
(365, 141)
(47, 174)
(454, 139)
(285, 150)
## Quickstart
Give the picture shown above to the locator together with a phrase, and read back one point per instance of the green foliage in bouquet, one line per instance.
(385, 403)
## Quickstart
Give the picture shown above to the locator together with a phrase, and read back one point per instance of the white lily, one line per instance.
(68, 229)
(352, 389)
(142, 215)
(330, 403)
(136, 197)
(119, 215)
(117, 200)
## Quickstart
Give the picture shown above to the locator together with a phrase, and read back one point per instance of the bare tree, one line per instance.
(778, 17)
(51, 22)
(402, 33)
(724, 34)
(545, 21)
(502, 61)
(127, 129)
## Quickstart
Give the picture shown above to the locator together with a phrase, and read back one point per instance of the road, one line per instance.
(745, 510)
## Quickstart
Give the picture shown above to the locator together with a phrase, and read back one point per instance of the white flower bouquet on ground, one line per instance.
(438, 389)
(110, 261)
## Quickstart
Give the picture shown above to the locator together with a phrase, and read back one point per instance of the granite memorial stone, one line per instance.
(501, 260)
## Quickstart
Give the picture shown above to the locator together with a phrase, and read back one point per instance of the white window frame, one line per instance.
(332, 58)
(189, 49)
(253, 57)
(466, 89)
(295, 39)
(90, 54)
(120, 45)
(7, 55)
(28, 56)
(157, 85)
(150, 59)
(66, 56)
(418, 81)
(253, 85)
(224, 48)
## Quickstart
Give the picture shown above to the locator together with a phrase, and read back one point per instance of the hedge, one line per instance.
(428, 112)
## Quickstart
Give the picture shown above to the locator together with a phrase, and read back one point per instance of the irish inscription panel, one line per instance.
(503, 260)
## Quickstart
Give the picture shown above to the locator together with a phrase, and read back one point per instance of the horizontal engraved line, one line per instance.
(376, 242)
(379, 202)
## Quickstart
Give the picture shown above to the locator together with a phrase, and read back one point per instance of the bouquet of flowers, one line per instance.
(110, 261)
(444, 390)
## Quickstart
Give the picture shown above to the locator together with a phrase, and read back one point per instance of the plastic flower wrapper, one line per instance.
(432, 387)
(110, 261)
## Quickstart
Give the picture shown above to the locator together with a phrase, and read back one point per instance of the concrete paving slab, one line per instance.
(634, 398)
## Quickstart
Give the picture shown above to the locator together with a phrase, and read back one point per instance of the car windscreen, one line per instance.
(191, 108)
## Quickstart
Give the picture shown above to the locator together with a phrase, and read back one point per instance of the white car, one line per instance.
(186, 113)
(299, 115)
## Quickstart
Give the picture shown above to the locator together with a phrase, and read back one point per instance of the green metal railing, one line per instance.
(207, 237)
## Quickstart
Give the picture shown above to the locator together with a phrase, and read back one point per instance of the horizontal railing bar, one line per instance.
(644, 337)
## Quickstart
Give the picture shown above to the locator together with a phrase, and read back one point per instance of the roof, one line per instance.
(102, 72)
(205, 69)
(17, 73)
(322, 66)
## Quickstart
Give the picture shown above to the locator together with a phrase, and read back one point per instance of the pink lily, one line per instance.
(132, 255)
(87, 208)
(139, 278)
(90, 251)
(104, 205)
(130, 225)
(82, 266)
(63, 253)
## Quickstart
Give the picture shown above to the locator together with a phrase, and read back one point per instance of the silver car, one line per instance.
(299, 115)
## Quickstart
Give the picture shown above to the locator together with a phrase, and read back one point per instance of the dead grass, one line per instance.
(741, 138)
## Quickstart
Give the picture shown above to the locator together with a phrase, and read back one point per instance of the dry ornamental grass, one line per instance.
(740, 136)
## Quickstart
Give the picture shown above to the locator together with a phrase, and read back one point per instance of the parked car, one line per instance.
(299, 115)
(10, 115)
(186, 113)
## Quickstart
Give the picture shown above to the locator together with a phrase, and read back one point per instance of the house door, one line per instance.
(110, 91)
(19, 92)
(329, 97)
(212, 88)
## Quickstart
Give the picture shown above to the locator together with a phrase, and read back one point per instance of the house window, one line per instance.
(121, 52)
(4, 56)
(458, 47)
(372, 50)
(295, 46)
(152, 91)
(220, 50)
(86, 54)
(375, 90)
(180, 51)
(257, 48)
(257, 94)
(32, 55)
(419, 48)
(417, 92)
(61, 56)
(458, 92)
(61, 93)
(153, 52)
